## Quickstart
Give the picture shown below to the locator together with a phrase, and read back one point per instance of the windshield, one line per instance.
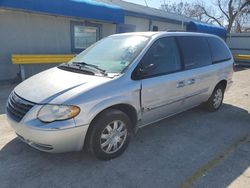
(112, 54)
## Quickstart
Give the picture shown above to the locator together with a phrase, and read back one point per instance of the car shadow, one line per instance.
(241, 67)
(163, 154)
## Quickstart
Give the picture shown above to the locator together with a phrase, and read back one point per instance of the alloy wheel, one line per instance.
(113, 136)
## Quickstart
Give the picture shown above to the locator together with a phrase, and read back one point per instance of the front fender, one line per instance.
(86, 117)
(134, 102)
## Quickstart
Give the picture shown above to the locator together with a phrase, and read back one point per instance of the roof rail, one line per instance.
(175, 30)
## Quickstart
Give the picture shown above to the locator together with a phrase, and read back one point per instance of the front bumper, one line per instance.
(54, 141)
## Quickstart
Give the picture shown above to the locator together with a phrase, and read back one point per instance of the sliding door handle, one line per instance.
(191, 81)
(180, 84)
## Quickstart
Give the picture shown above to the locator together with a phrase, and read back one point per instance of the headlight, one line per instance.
(49, 113)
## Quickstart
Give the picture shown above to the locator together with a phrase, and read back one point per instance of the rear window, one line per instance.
(195, 51)
(219, 50)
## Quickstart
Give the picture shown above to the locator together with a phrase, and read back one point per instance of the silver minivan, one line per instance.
(116, 86)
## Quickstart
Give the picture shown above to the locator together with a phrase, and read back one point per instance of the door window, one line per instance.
(195, 51)
(219, 50)
(163, 56)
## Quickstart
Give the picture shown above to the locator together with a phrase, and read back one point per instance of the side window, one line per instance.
(155, 28)
(195, 51)
(164, 56)
(218, 49)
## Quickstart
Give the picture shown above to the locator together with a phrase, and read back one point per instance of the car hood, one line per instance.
(47, 85)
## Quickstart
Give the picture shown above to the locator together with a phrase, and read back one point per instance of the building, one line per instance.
(68, 27)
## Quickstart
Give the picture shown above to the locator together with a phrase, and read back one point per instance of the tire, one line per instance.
(109, 134)
(216, 99)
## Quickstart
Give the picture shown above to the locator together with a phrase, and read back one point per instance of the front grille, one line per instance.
(17, 107)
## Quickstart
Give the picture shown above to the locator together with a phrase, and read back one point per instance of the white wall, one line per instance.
(140, 23)
(30, 33)
(164, 26)
(108, 29)
(240, 41)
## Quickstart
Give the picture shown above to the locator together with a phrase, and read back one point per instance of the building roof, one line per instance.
(87, 9)
(103, 10)
(207, 28)
(144, 11)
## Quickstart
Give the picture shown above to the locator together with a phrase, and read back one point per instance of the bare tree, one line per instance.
(242, 21)
(232, 14)
(232, 11)
(187, 9)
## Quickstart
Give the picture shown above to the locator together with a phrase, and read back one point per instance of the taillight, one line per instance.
(234, 67)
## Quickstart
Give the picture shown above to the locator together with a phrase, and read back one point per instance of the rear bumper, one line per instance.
(54, 141)
(229, 84)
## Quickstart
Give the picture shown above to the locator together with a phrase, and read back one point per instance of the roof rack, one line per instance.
(175, 30)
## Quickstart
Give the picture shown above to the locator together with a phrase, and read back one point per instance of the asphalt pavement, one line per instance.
(193, 149)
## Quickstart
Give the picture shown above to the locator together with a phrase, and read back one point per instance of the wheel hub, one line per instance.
(218, 98)
(113, 136)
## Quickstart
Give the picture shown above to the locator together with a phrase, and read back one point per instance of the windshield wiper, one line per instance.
(102, 71)
(65, 66)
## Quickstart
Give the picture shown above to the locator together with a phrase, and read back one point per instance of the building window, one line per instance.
(83, 35)
(155, 28)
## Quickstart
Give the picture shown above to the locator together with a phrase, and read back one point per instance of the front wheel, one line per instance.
(215, 101)
(109, 135)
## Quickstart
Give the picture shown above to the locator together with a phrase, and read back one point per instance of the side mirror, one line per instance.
(141, 71)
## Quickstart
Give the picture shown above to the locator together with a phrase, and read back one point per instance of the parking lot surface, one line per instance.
(193, 149)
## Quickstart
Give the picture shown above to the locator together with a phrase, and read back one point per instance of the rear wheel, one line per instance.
(215, 101)
(109, 134)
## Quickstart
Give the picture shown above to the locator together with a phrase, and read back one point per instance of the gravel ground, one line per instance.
(194, 148)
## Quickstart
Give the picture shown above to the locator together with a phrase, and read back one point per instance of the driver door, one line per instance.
(163, 84)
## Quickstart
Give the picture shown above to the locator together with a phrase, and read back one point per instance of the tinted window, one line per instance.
(164, 56)
(218, 49)
(195, 51)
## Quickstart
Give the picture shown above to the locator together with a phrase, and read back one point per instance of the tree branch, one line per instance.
(210, 16)
(230, 8)
(241, 7)
(221, 9)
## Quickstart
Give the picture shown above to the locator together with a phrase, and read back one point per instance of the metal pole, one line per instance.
(22, 71)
